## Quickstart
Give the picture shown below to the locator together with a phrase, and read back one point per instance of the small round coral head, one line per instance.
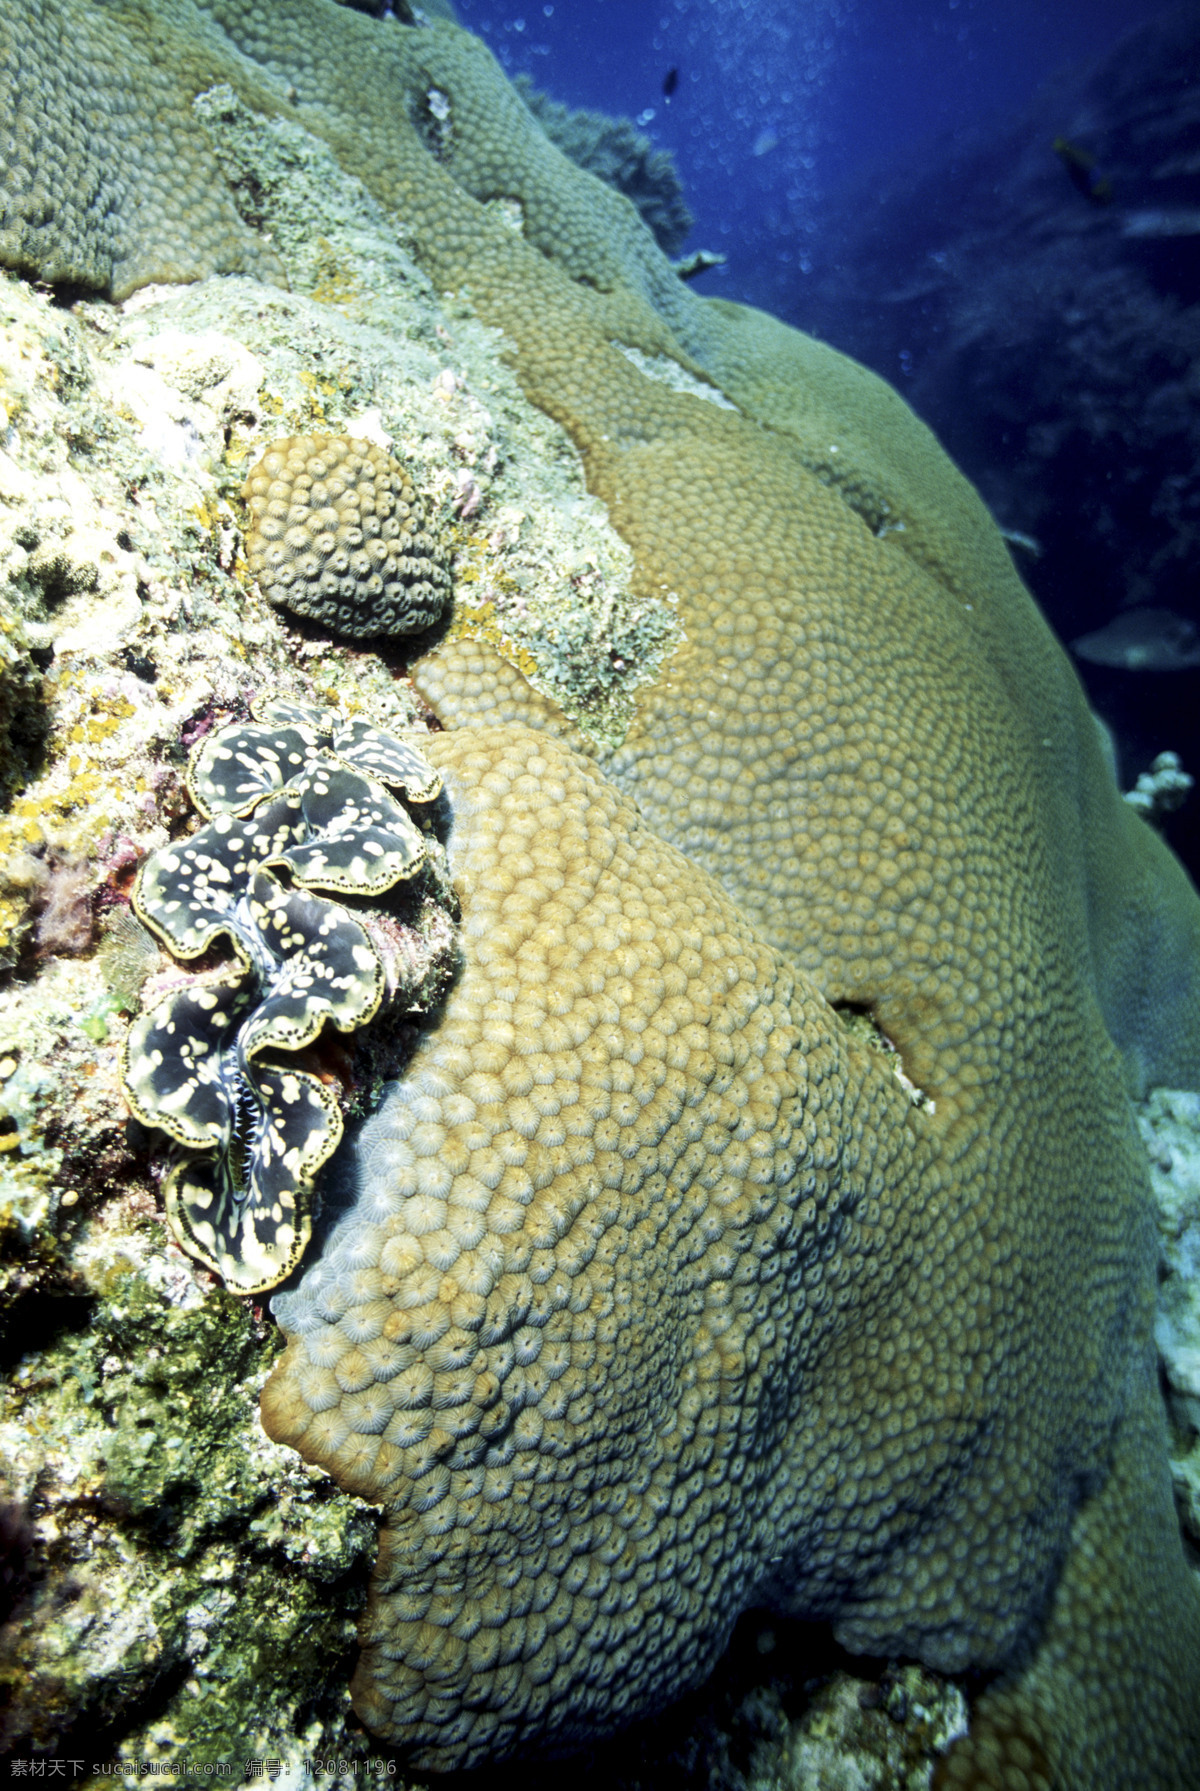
(338, 534)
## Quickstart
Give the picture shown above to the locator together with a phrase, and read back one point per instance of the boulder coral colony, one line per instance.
(337, 536)
(662, 1295)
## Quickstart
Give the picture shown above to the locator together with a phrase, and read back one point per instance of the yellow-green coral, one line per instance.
(73, 210)
(585, 1331)
(869, 738)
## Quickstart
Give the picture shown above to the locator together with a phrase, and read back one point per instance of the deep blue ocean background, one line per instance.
(779, 103)
(882, 173)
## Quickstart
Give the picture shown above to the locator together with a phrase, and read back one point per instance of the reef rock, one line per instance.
(762, 1220)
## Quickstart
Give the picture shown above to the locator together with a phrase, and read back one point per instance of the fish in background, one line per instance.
(670, 83)
(1143, 640)
(1080, 165)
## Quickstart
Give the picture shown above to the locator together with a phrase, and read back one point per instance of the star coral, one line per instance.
(870, 743)
(634, 1119)
(339, 535)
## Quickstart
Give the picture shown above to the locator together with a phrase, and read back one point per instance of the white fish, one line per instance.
(1143, 640)
(1168, 221)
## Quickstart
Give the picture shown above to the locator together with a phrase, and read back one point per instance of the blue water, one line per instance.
(779, 103)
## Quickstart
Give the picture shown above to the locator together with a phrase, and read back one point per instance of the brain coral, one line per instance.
(869, 744)
(339, 536)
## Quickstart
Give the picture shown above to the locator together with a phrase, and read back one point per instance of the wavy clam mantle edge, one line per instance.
(662, 1296)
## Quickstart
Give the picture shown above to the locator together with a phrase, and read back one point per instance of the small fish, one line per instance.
(1080, 165)
(670, 83)
(1143, 640)
(698, 262)
(1165, 221)
(1017, 538)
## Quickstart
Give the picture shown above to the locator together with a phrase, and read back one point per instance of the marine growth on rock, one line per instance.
(660, 1298)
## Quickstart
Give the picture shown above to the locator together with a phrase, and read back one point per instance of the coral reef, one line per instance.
(156, 210)
(897, 815)
(211, 1612)
(337, 536)
(633, 1117)
(615, 150)
(20, 710)
(1169, 1122)
(1162, 788)
(185, 1588)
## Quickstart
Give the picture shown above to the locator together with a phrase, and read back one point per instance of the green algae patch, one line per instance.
(184, 1587)
(176, 1459)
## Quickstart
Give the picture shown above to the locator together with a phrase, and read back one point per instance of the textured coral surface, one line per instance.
(629, 1124)
(892, 798)
(174, 1577)
(338, 536)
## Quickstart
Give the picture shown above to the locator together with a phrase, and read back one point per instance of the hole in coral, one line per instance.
(859, 1019)
(140, 664)
(433, 120)
(37, 1319)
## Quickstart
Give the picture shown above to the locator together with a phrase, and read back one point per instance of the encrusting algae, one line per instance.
(153, 1635)
(652, 1294)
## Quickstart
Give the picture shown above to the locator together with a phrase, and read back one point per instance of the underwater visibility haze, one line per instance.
(599, 1038)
